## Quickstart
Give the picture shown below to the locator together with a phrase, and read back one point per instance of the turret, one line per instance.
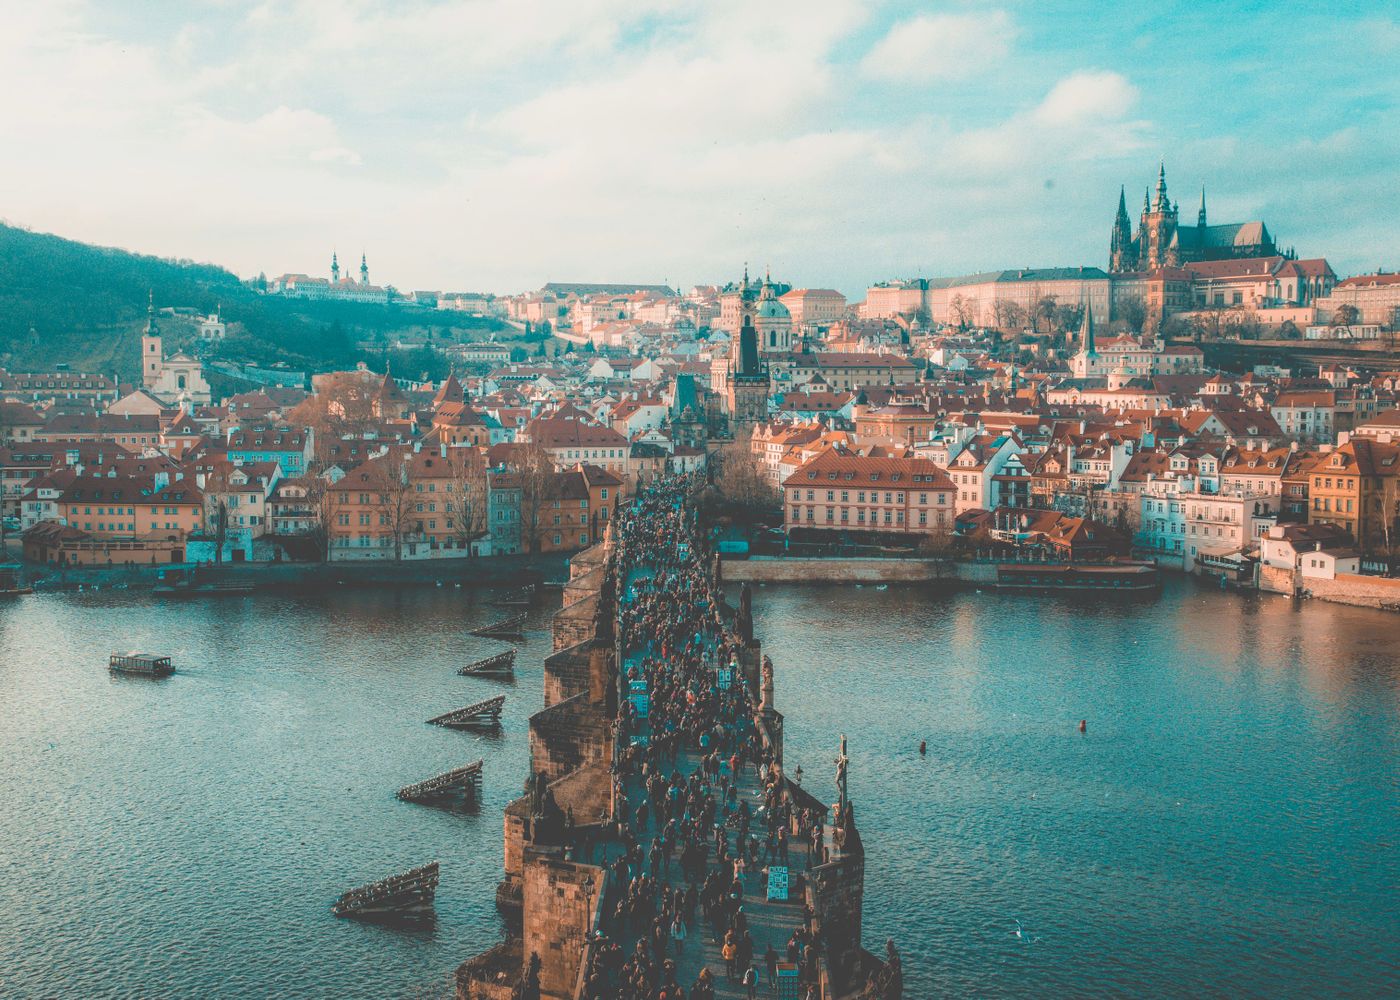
(1201, 216)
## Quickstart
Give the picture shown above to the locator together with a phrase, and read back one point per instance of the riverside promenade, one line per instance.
(661, 851)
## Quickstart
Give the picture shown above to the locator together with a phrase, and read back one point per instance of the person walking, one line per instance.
(678, 934)
(751, 982)
(730, 951)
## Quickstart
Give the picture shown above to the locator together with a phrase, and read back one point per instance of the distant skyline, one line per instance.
(499, 144)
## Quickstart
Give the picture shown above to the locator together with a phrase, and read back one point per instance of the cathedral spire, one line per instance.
(1201, 217)
(1146, 202)
(1161, 204)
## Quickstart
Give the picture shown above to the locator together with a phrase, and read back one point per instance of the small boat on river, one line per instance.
(144, 664)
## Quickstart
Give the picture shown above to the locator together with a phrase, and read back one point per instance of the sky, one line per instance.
(494, 145)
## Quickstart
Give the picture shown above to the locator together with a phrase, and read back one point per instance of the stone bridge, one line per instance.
(557, 887)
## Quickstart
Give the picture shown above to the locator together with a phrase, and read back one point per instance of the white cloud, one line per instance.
(495, 145)
(1086, 97)
(940, 46)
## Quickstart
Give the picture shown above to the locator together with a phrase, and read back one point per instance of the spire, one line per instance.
(1162, 204)
(1201, 217)
(364, 270)
(335, 267)
(1146, 204)
(1086, 331)
(151, 330)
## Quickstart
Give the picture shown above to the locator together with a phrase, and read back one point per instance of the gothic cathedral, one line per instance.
(1162, 242)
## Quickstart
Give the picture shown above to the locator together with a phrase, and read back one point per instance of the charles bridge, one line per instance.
(559, 893)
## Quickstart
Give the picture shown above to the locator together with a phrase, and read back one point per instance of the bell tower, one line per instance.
(152, 359)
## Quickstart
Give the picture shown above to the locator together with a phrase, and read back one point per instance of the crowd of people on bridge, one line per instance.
(690, 823)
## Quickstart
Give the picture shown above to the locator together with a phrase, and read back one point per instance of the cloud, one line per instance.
(650, 140)
(1086, 97)
(940, 46)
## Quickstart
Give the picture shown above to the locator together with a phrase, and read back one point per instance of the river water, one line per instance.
(1229, 824)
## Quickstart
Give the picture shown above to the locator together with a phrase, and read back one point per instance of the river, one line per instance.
(1227, 824)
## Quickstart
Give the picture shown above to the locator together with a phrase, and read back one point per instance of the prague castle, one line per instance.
(1161, 240)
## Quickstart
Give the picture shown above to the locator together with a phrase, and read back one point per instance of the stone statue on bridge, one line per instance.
(886, 982)
(766, 691)
(842, 761)
(745, 623)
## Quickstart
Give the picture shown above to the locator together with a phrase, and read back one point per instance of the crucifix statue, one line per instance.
(841, 763)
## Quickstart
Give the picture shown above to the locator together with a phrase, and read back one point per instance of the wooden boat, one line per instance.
(464, 780)
(408, 893)
(501, 665)
(507, 628)
(1096, 577)
(483, 715)
(146, 664)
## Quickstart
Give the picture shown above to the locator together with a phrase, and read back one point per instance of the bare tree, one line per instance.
(1009, 317)
(320, 503)
(741, 479)
(467, 510)
(391, 481)
(538, 486)
(1345, 315)
(962, 311)
(216, 521)
(1133, 311)
(342, 406)
(1389, 515)
(1045, 314)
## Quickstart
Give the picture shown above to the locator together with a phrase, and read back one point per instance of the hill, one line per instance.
(85, 305)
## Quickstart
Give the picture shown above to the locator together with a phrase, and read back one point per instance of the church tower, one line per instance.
(1155, 235)
(1122, 251)
(773, 321)
(335, 269)
(152, 359)
(748, 383)
(364, 270)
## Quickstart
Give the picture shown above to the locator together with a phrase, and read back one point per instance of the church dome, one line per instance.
(771, 308)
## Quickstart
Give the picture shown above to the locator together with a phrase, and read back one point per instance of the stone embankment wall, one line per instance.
(1377, 592)
(781, 569)
(479, 571)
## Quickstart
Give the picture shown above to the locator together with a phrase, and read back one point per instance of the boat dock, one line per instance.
(483, 715)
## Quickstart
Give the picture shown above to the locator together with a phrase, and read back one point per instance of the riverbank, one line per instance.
(482, 571)
(1377, 593)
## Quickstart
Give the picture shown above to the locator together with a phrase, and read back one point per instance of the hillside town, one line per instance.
(1061, 414)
